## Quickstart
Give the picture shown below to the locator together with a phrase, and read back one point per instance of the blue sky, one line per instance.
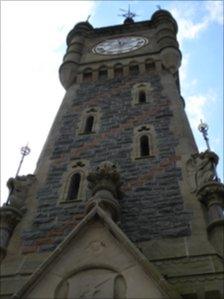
(33, 37)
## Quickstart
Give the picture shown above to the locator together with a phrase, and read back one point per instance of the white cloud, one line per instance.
(195, 106)
(188, 29)
(186, 16)
(215, 11)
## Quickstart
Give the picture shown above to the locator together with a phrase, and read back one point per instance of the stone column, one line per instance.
(105, 184)
(212, 196)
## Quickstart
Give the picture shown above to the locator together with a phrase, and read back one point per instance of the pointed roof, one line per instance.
(98, 214)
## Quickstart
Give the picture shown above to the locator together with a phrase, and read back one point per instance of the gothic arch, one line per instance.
(87, 279)
(89, 121)
(103, 72)
(74, 183)
(87, 75)
(144, 142)
(118, 70)
(133, 68)
(150, 65)
(141, 93)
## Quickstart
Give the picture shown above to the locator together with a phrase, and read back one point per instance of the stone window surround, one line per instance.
(137, 88)
(87, 72)
(95, 113)
(79, 166)
(144, 130)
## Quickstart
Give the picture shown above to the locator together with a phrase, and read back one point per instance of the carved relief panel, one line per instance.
(98, 283)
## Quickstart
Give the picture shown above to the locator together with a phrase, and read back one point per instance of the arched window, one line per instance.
(87, 75)
(142, 96)
(103, 73)
(133, 68)
(144, 146)
(74, 187)
(118, 70)
(89, 124)
(149, 65)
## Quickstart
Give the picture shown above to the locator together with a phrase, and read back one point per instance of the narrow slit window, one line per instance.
(133, 69)
(150, 66)
(87, 75)
(144, 146)
(142, 96)
(103, 73)
(74, 187)
(118, 70)
(89, 124)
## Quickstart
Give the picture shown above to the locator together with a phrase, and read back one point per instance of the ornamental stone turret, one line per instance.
(71, 60)
(166, 30)
(12, 212)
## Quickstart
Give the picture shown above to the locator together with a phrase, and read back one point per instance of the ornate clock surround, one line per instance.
(120, 45)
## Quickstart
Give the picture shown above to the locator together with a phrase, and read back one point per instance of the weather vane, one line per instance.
(128, 14)
(25, 150)
(203, 128)
(158, 6)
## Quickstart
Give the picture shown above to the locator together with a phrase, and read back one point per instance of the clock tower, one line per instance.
(121, 204)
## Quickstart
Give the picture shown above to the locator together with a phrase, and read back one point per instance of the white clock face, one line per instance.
(120, 45)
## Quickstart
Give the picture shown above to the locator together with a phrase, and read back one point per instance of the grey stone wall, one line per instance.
(152, 205)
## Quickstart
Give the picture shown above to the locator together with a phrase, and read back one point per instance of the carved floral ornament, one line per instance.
(106, 177)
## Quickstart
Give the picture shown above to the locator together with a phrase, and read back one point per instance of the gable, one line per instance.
(95, 262)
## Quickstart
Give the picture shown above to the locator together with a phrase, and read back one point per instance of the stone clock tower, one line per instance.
(122, 204)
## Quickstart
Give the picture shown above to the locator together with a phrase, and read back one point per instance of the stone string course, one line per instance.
(152, 205)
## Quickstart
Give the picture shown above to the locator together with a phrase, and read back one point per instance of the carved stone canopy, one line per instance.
(106, 177)
(105, 186)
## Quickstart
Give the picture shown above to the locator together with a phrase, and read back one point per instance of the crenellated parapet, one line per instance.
(105, 184)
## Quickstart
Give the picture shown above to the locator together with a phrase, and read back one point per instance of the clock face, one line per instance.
(120, 45)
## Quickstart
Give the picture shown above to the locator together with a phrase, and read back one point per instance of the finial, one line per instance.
(128, 15)
(25, 150)
(158, 6)
(87, 20)
(203, 128)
